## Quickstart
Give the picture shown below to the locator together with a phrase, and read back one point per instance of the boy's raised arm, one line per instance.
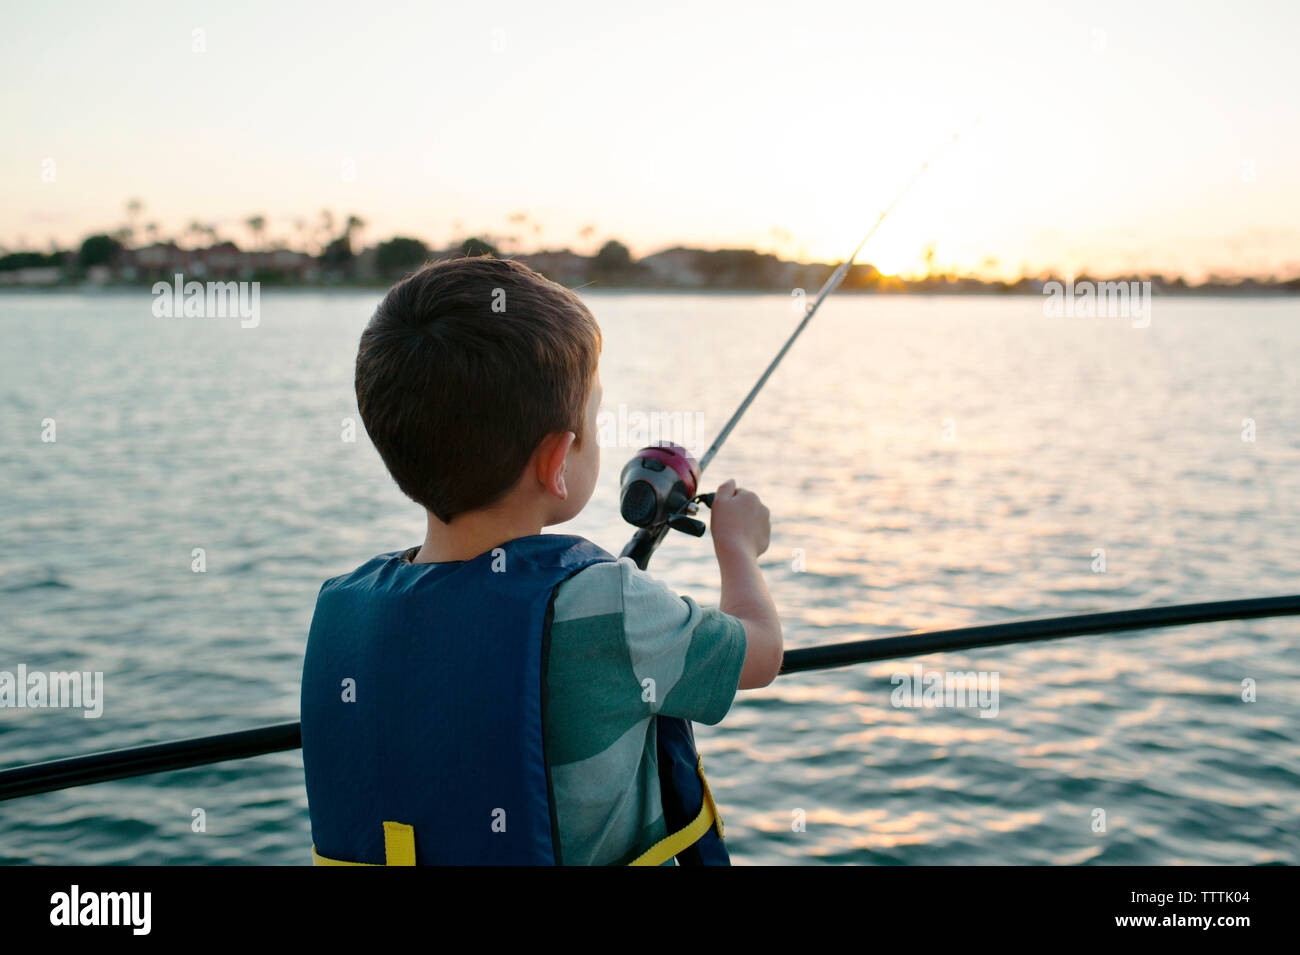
(741, 527)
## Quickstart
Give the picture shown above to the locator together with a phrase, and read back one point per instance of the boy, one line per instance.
(499, 695)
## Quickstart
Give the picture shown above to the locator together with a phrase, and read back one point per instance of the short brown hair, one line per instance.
(465, 366)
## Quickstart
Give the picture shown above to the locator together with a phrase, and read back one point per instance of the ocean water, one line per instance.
(929, 462)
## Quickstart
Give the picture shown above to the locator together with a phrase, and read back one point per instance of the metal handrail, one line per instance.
(199, 751)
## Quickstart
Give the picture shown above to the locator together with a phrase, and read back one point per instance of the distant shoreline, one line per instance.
(110, 261)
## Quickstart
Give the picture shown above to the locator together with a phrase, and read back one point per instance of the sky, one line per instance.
(1100, 137)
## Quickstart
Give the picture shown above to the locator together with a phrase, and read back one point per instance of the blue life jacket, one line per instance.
(422, 716)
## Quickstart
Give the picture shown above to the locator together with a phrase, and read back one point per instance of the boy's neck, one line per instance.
(474, 533)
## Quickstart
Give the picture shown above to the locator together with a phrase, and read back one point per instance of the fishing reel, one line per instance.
(658, 490)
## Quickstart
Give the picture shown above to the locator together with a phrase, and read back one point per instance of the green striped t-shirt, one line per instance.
(624, 648)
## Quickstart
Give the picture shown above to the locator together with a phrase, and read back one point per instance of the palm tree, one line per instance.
(133, 209)
(355, 224)
(256, 225)
(325, 231)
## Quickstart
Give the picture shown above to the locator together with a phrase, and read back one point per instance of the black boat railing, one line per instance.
(281, 737)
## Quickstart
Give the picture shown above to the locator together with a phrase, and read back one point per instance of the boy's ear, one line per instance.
(551, 456)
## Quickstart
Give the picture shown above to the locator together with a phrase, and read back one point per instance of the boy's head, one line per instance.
(473, 371)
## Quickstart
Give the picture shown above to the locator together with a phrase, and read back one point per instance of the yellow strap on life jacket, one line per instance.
(691, 833)
(399, 848)
(399, 838)
(399, 844)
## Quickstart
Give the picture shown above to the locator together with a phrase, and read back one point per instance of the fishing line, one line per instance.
(830, 285)
(658, 486)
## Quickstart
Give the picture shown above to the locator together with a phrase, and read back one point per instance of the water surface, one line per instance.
(929, 462)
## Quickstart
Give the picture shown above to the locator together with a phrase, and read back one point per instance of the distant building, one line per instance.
(223, 261)
(285, 264)
(160, 261)
(565, 267)
(677, 267)
(37, 275)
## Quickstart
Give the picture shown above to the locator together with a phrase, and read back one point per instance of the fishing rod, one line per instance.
(281, 737)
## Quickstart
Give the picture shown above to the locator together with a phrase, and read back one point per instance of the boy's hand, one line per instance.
(740, 520)
(741, 531)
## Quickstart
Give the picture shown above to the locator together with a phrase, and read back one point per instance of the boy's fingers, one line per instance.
(727, 488)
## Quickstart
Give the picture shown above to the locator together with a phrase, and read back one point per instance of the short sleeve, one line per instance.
(687, 658)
